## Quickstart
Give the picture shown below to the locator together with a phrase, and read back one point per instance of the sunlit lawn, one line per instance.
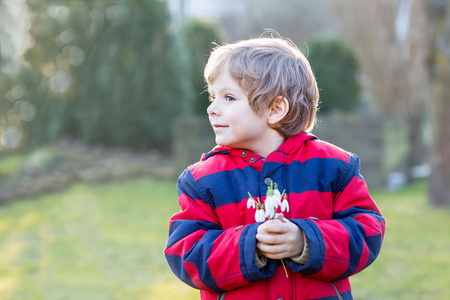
(106, 242)
(415, 259)
(90, 242)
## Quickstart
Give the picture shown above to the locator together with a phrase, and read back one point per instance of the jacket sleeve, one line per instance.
(201, 253)
(351, 241)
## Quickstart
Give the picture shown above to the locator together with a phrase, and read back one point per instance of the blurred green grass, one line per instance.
(11, 164)
(106, 242)
(90, 242)
(414, 262)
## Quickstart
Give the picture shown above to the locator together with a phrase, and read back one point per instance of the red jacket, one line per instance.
(212, 240)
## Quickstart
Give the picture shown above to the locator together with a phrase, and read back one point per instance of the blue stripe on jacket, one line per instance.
(234, 184)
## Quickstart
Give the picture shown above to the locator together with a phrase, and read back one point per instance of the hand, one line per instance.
(279, 238)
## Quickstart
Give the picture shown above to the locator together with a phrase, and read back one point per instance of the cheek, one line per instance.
(241, 123)
(233, 119)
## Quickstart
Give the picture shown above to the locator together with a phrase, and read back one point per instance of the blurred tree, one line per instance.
(10, 119)
(103, 71)
(336, 70)
(198, 38)
(295, 19)
(439, 22)
(389, 39)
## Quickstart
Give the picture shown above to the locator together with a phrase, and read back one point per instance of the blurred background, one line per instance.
(102, 105)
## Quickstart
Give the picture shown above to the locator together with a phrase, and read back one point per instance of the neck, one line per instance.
(268, 147)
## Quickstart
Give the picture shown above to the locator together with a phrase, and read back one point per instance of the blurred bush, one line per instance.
(198, 38)
(103, 72)
(336, 70)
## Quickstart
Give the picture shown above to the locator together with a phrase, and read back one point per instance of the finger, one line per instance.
(282, 226)
(277, 255)
(266, 239)
(279, 250)
(273, 251)
(277, 228)
(269, 226)
(273, 239)
(269, 249)
(280, 217)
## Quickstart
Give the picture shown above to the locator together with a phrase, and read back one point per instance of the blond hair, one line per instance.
(267, 68)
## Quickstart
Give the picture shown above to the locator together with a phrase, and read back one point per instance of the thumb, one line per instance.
(280, 217)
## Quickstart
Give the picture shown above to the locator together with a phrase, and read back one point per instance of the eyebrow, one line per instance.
(226, 90)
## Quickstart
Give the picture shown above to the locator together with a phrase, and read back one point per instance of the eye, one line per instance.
(229, 98)
(211, 98)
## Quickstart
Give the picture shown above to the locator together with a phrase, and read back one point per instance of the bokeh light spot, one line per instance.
(27, 111)
(59, 12)
(11, 138)
(76, 56)
(60, 82)
(18, 91)
(67, 36)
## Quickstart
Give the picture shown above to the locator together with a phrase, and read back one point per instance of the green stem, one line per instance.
(284, 266)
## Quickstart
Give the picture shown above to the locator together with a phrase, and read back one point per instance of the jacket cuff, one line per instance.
(303, 258)
(316, 248)
(260, 261)
(248, 258)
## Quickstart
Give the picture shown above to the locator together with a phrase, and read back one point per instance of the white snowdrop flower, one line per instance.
(272, 201)
(277, 196)
(259, 215)
(285, 206)
(251, 203)
(270, 211)
(269, 207)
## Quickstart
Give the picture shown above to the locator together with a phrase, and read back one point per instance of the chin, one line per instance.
(223, 143)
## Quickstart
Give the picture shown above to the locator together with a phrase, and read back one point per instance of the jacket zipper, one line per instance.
(337, 292)
(222, 295)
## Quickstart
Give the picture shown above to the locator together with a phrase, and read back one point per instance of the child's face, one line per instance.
(233, 120)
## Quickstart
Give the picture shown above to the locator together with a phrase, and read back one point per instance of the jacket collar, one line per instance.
(294, 143)
(290, 145)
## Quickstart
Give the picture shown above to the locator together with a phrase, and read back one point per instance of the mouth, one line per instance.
(218, 128)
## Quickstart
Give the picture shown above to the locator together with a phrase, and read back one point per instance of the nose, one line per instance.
(212, 109)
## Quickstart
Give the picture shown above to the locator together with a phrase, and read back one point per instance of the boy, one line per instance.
(263, 102)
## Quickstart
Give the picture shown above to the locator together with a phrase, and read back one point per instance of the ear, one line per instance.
(278, 110)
